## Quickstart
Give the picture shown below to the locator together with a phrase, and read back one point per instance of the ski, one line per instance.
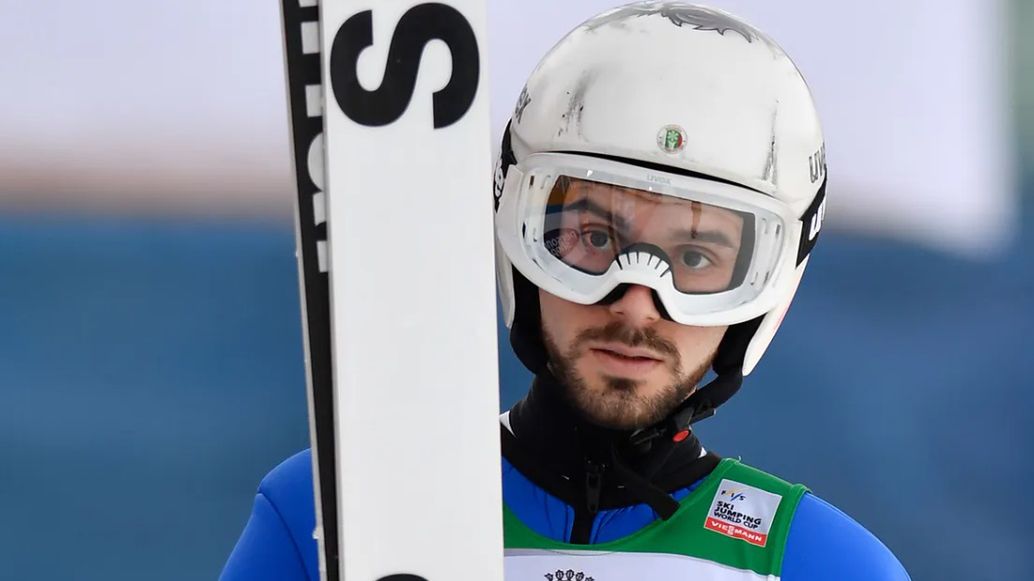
(411, 257)
(392, 158)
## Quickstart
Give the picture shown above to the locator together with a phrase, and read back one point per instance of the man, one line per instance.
(660, 187)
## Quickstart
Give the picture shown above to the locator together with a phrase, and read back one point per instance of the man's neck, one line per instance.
(558, 449)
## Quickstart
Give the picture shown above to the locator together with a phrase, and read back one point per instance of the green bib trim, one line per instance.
(738, 516)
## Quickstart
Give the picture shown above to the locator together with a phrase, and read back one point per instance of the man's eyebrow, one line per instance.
(718, 237)
(587, 205)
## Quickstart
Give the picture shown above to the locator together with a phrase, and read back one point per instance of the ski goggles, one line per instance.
(578, 227)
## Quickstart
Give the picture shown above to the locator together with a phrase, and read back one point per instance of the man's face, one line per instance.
(623, 365)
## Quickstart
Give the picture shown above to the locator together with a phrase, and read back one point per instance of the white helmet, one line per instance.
(668, 145)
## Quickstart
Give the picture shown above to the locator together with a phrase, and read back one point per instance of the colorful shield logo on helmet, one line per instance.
(671, 138)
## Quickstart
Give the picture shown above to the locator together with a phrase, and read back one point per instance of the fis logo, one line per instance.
(734, 494)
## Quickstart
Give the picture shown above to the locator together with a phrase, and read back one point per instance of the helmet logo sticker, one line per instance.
(671, 138)
(699, 17)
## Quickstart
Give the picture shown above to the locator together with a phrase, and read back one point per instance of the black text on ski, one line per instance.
(418, 26)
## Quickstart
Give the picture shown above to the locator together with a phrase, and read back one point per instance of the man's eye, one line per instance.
(695, 260)
(599, 239)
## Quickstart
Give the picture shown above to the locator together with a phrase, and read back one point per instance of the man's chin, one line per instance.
(623, 420)
(619, 406)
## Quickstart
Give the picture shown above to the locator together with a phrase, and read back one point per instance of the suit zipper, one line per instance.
(585, 516)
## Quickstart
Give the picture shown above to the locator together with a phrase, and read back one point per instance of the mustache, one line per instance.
(618, 332)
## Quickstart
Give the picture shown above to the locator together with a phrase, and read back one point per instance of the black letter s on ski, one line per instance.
(418, 26)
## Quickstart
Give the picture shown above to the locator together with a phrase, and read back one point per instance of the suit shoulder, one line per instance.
(826, 543)
(277, 542)
(288, 487)
(291, 474)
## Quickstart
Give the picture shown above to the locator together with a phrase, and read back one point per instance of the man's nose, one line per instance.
(636, 306)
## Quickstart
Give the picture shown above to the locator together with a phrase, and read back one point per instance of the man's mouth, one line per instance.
(626, 352)
(623, 361)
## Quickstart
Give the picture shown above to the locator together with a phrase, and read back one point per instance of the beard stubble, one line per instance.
(618, 403)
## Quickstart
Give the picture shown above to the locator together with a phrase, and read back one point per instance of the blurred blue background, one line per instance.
(151, 357)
